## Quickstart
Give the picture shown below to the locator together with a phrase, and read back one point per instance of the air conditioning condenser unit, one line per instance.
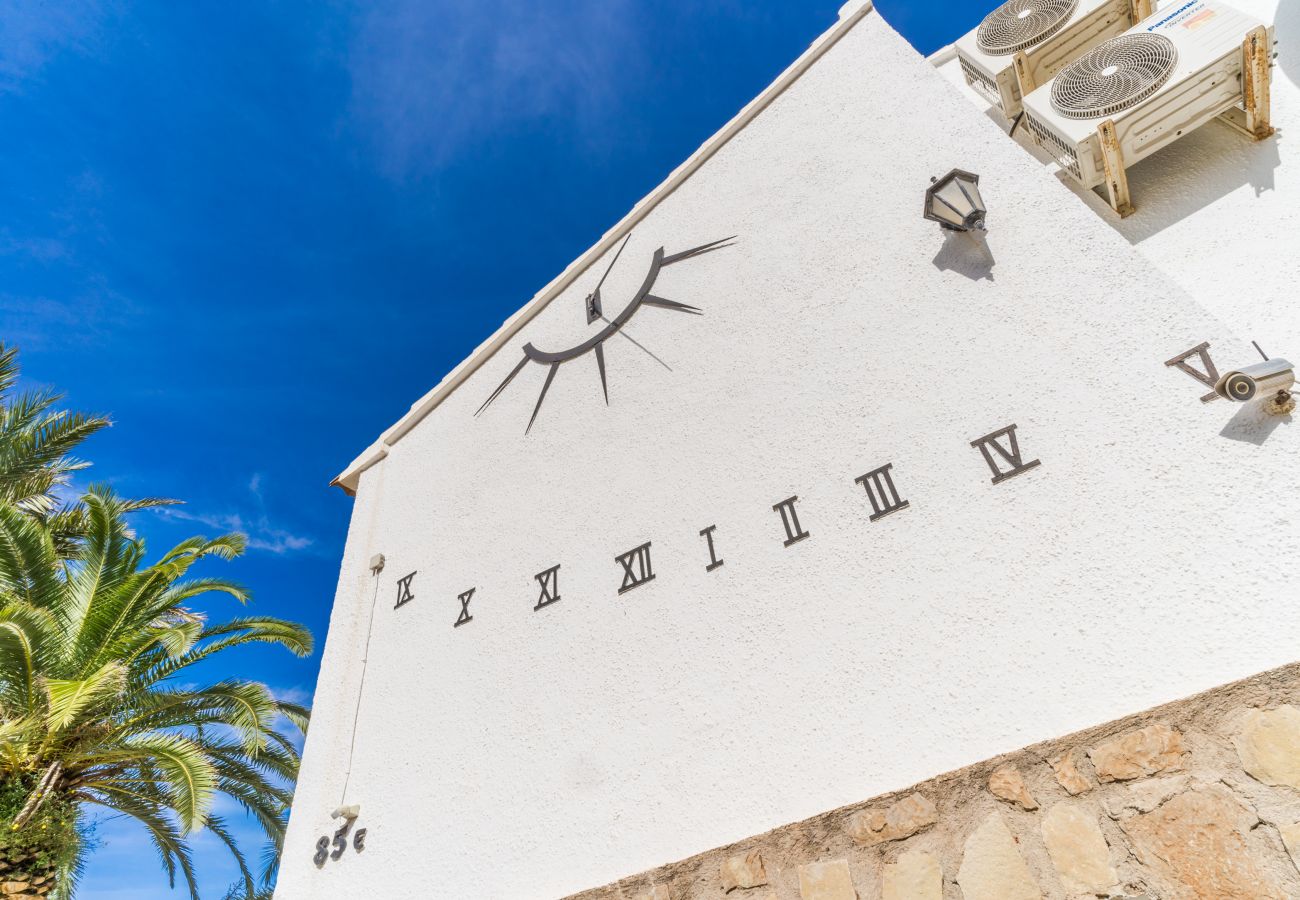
(1023, 43)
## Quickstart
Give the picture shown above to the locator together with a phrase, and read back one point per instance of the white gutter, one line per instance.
(850, 14)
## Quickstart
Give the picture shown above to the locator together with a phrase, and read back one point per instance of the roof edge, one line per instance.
(944, 54)
(849, 15)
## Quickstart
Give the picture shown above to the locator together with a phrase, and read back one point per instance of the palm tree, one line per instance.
(98, 705)
(36, 461)
(36, 441)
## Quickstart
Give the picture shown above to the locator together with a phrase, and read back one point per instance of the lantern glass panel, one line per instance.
(972, 190)
(944, 212)
(951, 192)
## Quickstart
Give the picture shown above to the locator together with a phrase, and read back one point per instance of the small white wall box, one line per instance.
(1023, 43)
(1131, 95)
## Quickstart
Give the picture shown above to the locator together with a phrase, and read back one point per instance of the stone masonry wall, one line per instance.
(1195, 800)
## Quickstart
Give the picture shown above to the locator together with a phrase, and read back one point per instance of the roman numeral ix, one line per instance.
(404, 594)
(636, 567)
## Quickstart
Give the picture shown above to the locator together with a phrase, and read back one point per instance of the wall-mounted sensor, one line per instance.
(1271, 380)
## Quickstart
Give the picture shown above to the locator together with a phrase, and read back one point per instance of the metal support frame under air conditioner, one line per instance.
(1112, 156)
(1141, 10)
(1254, 119)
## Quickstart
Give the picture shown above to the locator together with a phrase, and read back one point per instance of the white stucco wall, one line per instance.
(532, 754)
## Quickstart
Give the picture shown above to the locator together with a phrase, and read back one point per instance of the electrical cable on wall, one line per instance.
(376, 566)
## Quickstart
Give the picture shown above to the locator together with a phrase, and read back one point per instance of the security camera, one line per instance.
(1265, 379)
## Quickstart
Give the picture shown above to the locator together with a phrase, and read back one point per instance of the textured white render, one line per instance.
(532, 754)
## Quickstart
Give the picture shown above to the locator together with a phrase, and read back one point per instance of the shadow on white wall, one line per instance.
(1287, 22)
(966, 254)
(1175, 183)
(1252, 425)
(1192, 173)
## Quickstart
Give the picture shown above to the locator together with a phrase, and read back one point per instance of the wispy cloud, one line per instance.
(83, 318)
(33, 32)
(38, 249)
(430, 80)
(292, 694)
(254, 521)
(262, 535)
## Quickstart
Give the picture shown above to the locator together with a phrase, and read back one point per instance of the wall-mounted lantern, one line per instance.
(954, 202)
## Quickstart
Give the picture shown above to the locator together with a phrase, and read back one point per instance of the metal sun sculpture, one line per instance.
(594, 310)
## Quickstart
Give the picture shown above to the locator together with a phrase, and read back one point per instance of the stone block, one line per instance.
(1078, 849)
(1146, 796)
(1068, 776)
(743, 871)
(1148, 751)
(1291, 839)
(1006, 783)
(1197, 842)
(992, 867)
(901, 820)
(1269, 745)
(827, 881)
(658, 892)
(915, 876)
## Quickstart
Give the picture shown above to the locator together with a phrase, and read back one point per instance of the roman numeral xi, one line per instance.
(550, 582)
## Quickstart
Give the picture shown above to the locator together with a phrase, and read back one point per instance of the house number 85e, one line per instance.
(333, 849)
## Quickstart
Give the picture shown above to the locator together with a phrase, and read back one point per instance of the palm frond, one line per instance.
(68, 698)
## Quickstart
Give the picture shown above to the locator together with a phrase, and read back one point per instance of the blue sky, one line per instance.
(254, 233)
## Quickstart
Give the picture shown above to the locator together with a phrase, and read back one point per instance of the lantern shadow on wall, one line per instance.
(966, 253)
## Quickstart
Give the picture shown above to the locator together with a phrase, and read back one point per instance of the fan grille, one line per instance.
(1019, 24)
(1113, 76)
